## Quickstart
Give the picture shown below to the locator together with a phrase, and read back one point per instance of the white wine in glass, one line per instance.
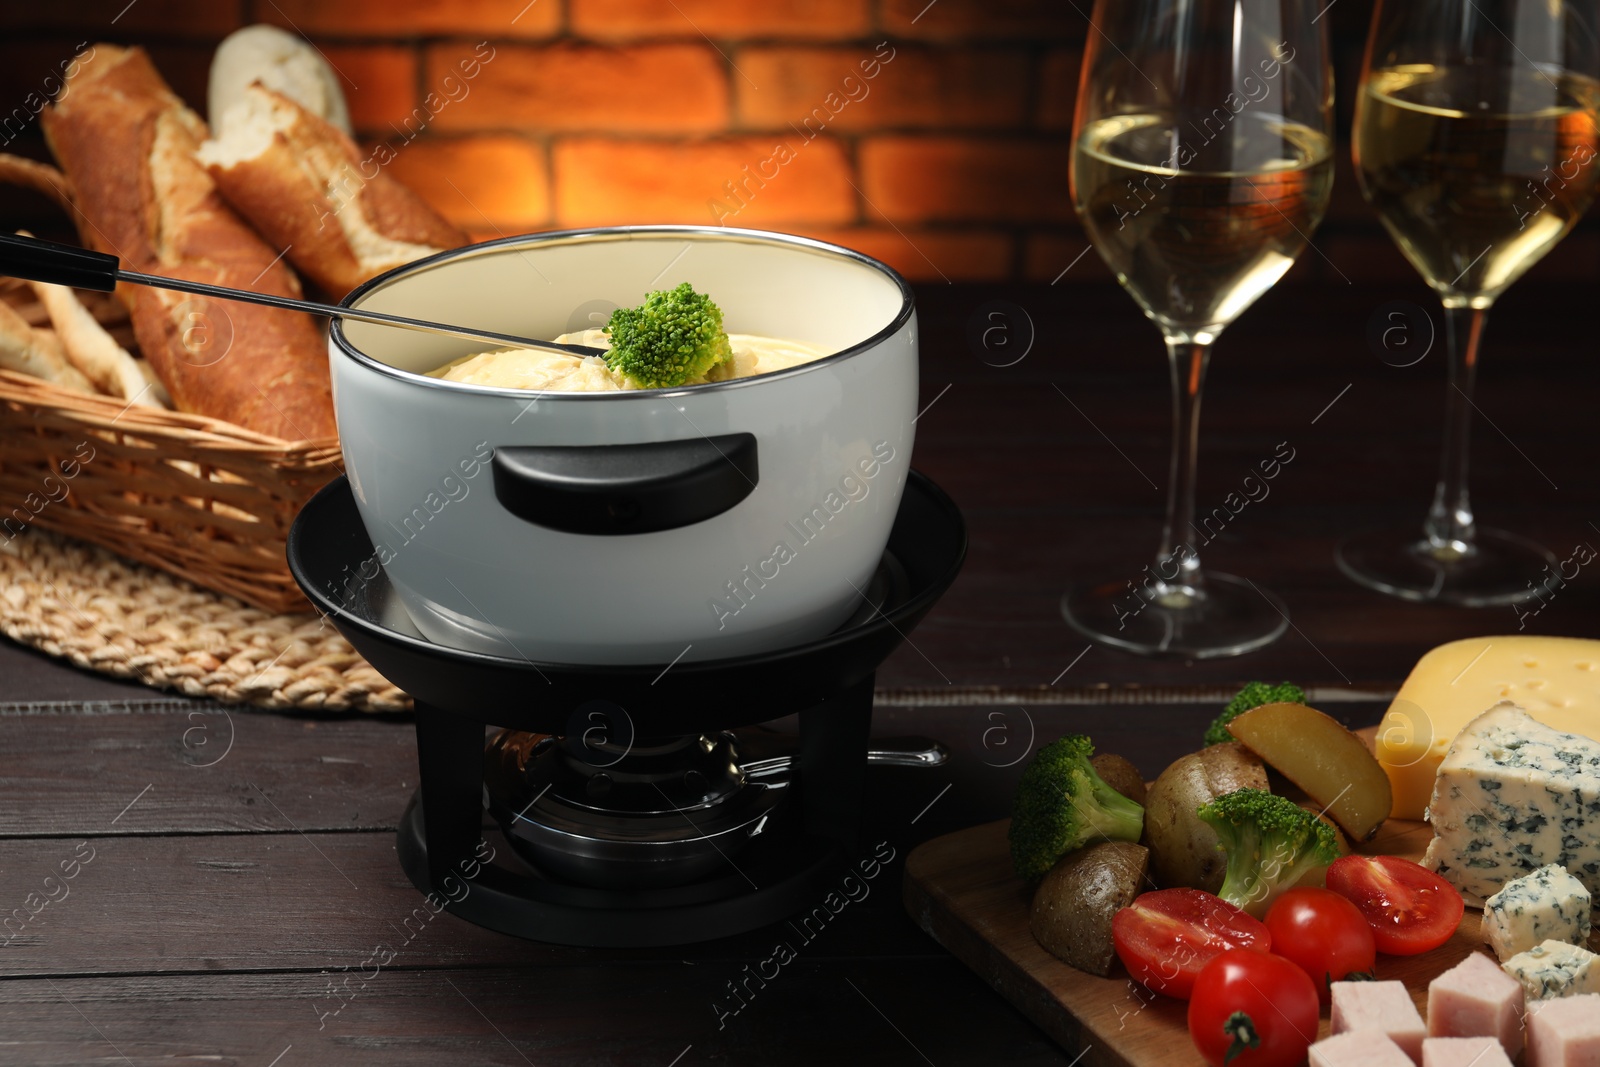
(1196, 247)
(1202, 163)
(1476, 140)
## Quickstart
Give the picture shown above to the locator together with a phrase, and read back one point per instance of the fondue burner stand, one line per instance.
(642, 805)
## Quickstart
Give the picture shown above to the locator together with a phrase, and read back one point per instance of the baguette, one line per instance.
(279, 60)
(127, 144)
(304, 185)
(35, 352)
(158, 392)
(90, 349)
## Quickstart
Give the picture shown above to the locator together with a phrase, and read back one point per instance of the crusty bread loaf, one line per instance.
(306, 187)
(36, 352)
(90, 349)
(281, 61)
(128, 143)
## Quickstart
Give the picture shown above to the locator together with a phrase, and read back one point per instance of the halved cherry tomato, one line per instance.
(1323, 933)
(1166, 936)
(1253, 1009)
(1409, 908)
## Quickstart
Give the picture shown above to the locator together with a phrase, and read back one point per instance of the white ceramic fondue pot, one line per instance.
(630, 526)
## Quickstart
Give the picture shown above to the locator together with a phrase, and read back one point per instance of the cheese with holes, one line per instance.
(1547, 905)
(1555, 969)
(1557, 679)
(1513, 795)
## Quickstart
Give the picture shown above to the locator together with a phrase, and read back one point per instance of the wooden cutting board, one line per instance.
(960, 889)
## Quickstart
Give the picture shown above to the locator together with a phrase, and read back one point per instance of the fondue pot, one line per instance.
(640, 526)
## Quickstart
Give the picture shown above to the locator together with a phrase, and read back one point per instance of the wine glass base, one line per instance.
(1230, 617)
(1502, 568)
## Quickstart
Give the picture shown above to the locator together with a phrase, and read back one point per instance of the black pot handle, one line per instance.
(625, 489)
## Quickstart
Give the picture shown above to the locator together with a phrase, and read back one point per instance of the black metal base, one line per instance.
(761, 887)
(827, 682)
(443, 851)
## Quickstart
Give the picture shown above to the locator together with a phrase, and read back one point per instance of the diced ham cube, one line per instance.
(1358, 1048)
(1564, 1032)
(1475, 998)
(1463, 1052)
(1382, 1006)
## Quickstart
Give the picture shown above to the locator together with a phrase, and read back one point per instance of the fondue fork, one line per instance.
(31, 259)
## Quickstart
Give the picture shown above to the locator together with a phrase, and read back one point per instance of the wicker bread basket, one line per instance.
(195, 496)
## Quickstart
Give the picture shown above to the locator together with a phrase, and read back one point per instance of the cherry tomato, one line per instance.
(1409, 908)
(1253, 1009)
(1165, 937)
(1323, 933)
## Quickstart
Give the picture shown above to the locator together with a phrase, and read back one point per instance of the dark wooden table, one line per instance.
(238, 888)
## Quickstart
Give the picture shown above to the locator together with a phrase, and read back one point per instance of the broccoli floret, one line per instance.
(674, 336)
(1272, 843)
(1063, 804)
(1253, 695)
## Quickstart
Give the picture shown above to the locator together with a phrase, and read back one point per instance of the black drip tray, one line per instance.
(926, 548)
(777, 879)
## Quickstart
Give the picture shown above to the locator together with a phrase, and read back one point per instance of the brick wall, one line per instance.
(933, 135)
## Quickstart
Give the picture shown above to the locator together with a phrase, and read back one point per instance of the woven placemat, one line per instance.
(108, 614)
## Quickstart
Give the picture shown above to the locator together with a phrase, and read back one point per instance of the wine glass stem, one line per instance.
(1449, 527)
(1177, 565)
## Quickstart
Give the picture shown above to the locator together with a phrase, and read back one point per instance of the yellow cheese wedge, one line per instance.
(1554, 679)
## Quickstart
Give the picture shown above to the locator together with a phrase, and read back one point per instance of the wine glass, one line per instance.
(1475, 140)
(1202, 163)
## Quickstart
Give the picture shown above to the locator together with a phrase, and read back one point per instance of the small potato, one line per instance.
(1183, 850)
(1319, 755)
(1073, 906)
(1121, 775)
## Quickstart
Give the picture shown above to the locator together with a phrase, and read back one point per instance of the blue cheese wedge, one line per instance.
(1512, 796)
(1547, 905)
(1555, 969)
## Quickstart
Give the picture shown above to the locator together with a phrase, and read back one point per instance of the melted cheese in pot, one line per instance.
(532, 368)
